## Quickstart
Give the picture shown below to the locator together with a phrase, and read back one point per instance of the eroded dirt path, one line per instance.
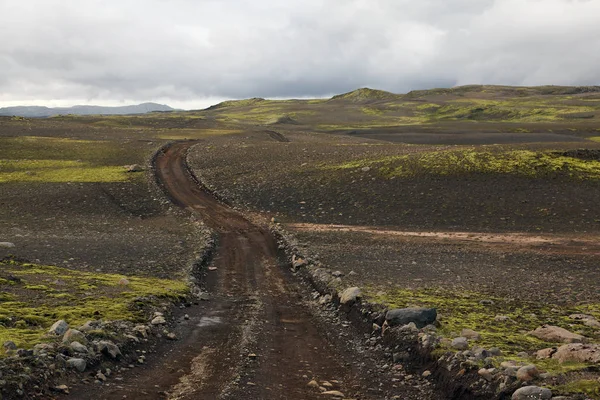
(255, 338)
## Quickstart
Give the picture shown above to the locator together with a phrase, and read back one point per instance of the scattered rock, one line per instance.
(545, 353)
(578, 352)
(298, 262)
(551, 333)
(460, 343)
(528, 373)
(470, 334)
(350, 295)
(487, 302)
(78, 363)
(109, 348)
(421, 317)
(7, 245)
(313, 384)
(133, 168)
(9, 345)
(123, 282)
(158, 320)
(365, 169)
(532, 393)
(61, 389)
(73, 335)
(486, 374)
(426, 374)
(334, 393)
(171, 336)
(59, 328)
(78, 347)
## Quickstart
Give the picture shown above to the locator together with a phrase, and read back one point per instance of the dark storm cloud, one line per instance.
(183, 49)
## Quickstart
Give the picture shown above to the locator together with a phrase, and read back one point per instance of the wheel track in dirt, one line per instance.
(255, 309)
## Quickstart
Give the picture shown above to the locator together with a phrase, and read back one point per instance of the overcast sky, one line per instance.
(192, 53)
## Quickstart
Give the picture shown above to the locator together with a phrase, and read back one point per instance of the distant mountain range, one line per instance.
(41, 112)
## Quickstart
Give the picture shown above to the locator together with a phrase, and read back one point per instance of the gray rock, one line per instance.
(78, 363)
(532, 393)
(59, 328)
(421, 317)
(158, 320)
(73, 335)
(350, 295)
(528, 373)
(109, 348)
(460, 343)
(486, 374)
(7, 245)
(9, 345)
(78, 347)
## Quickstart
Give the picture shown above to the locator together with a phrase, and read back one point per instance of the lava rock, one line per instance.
(421, 317)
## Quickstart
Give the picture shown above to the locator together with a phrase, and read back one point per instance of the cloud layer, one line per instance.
(189, 50)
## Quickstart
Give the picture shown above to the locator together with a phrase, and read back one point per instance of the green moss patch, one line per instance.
(36, 296)
(460, 310)
(468, 161)
(590, 387)
(43, 159)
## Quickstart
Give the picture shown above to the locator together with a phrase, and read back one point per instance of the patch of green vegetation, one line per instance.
(366, 94)
(372, 111)
(469, 161)
(595, 138)
(588, 387)
(238, 103)
(458, 310)
(44, 159)
(58, 171)
(46, 294)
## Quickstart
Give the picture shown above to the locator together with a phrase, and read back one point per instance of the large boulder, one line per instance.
(78, 363)
(532, 393)
(578, 352)
(551, 333)
(527, 373)
(404, 316)
(109, 349)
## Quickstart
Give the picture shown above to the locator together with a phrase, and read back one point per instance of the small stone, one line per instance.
(123, 282)
(78, 347)
(326, 384)
(252, 356)
(337, 274)
(78, 363)
(313, 384)
(100, 376)
(487, 302)
(109, 348)
(532, 393)
(350, 295)
(496, 352)
(426, 374)
(171, 336)
(7, 245)
(9, 345)
(485, 374)
(528, 373)
(334, 393)
(133, 168)
(62, 389)
(158, 320)
(186, 317)
(460, 343)
(365, 169)
(73, 335)
(470, 334)
(59, 328)
(545, 353)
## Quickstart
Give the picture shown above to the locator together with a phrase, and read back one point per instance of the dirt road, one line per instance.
(255, 338)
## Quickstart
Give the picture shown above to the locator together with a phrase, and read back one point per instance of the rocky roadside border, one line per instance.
(409, 338)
